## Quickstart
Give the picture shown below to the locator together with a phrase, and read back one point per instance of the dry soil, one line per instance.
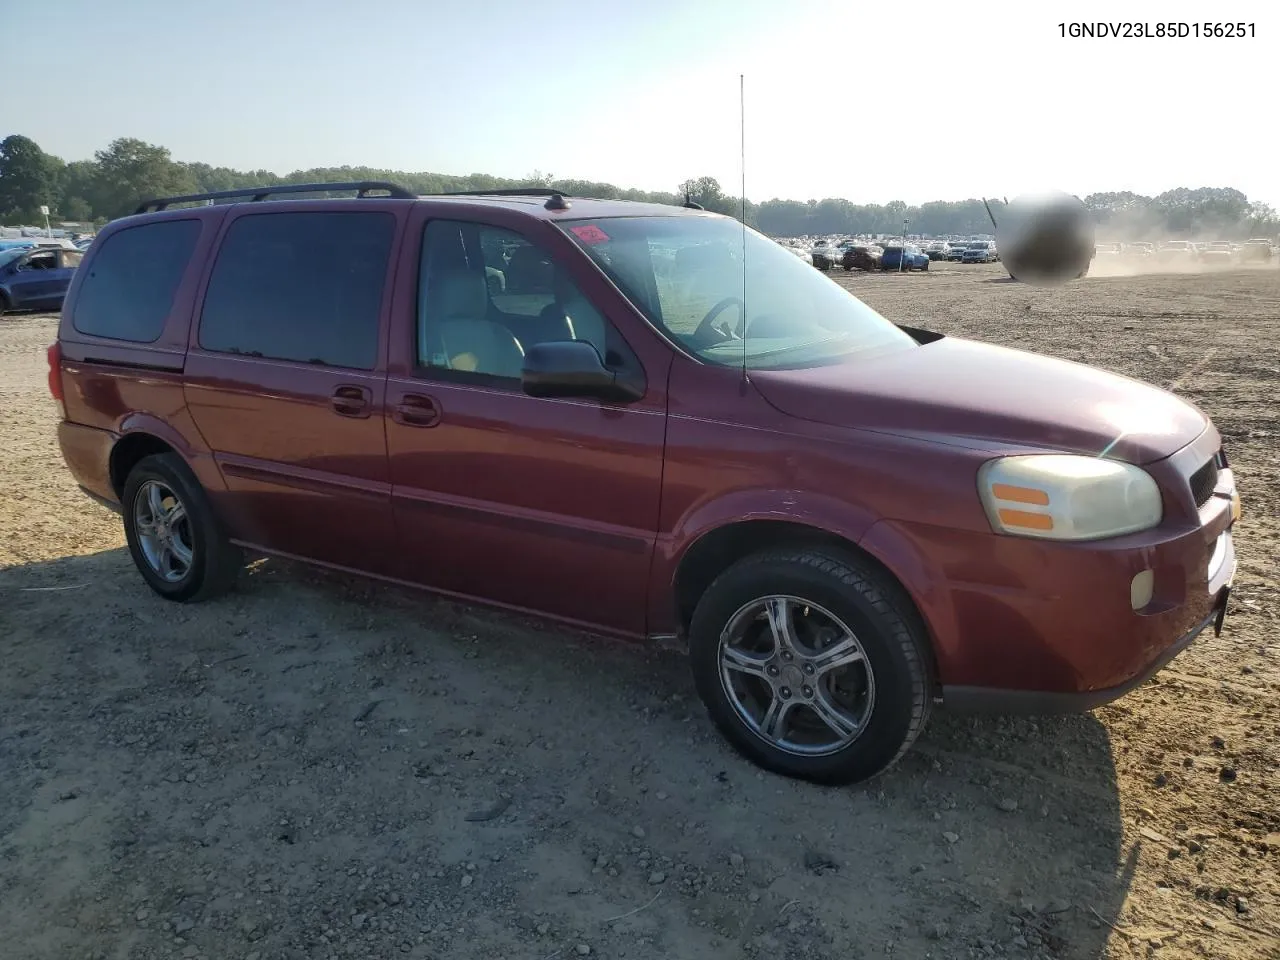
(316, 767)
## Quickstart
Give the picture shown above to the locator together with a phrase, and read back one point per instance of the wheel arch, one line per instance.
(717, 549)
(130, 449)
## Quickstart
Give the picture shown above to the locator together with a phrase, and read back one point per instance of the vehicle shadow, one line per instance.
(310, 729)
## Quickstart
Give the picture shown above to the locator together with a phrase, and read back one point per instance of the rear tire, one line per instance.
(829, 648)
(175, 539)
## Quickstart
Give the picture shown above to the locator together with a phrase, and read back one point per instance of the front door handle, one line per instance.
(416, 410)
(350, 401)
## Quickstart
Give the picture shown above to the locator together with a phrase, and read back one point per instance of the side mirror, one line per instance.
(573, 368)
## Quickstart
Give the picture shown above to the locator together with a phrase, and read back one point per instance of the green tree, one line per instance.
(28, 179)
(707, 193)
(1263, 220)
(130, 170)
(76, 209)
(77, 186)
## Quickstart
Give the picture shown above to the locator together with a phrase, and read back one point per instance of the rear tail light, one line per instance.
(55, 377)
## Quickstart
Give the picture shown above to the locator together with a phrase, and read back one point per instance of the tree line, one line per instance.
(129, 170)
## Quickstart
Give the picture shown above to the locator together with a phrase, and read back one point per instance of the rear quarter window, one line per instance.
(305, 287)
(131, 280)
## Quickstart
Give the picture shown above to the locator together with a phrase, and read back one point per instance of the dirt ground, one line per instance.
(316, 767)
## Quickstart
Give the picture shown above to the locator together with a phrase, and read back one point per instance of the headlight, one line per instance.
(1065, 497)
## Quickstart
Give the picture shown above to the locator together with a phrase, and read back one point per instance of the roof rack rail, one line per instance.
(505, 192)
(362, 188)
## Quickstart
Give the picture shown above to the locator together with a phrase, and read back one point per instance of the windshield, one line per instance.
(686, 275)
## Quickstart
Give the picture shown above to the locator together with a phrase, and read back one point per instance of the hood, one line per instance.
(962, 391)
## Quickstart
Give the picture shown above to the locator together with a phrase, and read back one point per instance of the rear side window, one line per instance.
(300, 286)
(132, 280)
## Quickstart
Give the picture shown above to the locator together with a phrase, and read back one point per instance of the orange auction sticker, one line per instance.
(590, 233)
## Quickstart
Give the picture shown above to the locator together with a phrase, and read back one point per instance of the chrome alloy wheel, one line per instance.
(796, 675)
(163, 530)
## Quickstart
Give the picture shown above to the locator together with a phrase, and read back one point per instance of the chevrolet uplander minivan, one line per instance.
(591, 411)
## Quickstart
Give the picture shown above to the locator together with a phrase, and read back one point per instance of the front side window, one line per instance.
(132, 279)
(687, 275)
(486, 295)
(46, 260)
(302, 286)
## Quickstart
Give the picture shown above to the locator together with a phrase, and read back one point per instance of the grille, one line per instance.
(1203, 481)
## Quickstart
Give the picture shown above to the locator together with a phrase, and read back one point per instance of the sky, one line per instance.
(928, 100)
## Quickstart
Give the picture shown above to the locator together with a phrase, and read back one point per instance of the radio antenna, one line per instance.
(742, 163)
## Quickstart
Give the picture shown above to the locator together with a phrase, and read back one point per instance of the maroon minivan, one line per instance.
(643, 421)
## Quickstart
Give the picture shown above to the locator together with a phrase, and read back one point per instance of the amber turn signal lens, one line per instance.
(1026, 519)
(1006, 491)
(1235, 506)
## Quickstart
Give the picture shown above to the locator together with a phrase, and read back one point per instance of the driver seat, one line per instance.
(572, 317)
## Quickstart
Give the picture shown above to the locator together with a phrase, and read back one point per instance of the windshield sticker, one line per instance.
(590, 233)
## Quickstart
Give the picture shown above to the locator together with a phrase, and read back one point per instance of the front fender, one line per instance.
(924, 582)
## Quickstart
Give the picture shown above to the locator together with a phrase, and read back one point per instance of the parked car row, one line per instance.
(867, 255)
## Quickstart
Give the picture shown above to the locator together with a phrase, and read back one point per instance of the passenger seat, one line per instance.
(468, 340)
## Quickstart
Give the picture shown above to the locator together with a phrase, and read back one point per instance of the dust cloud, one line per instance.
(1118, 265)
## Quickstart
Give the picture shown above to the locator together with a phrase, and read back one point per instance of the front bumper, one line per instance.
(994, 700)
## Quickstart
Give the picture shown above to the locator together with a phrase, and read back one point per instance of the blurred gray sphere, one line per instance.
(1045, 239)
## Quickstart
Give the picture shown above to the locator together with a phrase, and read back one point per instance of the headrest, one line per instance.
(460, 293)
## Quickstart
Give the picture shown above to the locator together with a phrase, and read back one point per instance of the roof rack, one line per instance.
(556, 199)
(505, 192)
(362, 188)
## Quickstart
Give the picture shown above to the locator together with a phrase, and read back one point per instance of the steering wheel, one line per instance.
(727, 332)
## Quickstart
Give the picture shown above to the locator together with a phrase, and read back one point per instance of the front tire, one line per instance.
(174, 537)
(812, 664)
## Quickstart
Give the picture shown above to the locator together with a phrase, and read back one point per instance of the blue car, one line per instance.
(36, 278)
(898, 257)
